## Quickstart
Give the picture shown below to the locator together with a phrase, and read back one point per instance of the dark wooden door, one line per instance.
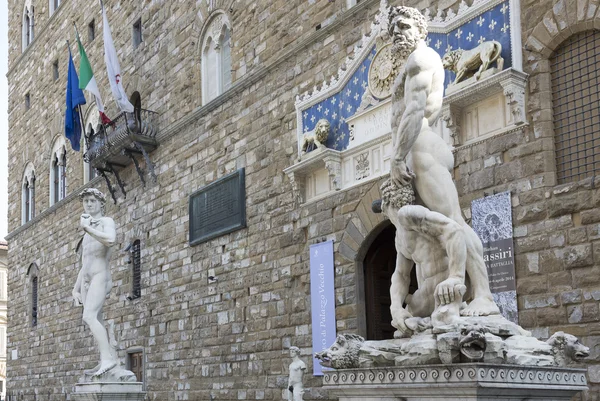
(379, 265)
(136, 365)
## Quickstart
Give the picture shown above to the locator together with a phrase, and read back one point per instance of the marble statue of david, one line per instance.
(94, 280)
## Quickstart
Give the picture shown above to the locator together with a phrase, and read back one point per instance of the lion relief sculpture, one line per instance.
(473, 62)
(317, 138)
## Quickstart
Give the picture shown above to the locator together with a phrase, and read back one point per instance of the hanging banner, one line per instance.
(492, 221)
(322, 299)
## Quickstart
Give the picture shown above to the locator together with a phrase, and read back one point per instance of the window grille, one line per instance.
(576, 107)
(34, 301)
(136, 268)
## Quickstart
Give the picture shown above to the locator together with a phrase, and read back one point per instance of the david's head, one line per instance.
(93, 201)
(407, 26)
(294, 351)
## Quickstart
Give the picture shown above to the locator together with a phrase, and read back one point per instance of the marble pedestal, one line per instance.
(132, 391)
(464, 382)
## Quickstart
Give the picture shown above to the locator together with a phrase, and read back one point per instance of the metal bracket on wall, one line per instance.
(121, 185)
(108, 184)
(140, 171)
(149, 164)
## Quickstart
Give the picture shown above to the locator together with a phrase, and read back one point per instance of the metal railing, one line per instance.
(140, 126)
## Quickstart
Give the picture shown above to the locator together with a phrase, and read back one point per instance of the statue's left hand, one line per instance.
(77, 297)
(448, 290)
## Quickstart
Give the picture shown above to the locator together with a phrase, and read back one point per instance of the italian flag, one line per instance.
(88, 82)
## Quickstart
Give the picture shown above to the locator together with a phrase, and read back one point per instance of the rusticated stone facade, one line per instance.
(227, 339)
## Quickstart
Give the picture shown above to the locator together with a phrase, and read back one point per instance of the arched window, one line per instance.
(58, 171)
(28, 194)
(53, 5)
(92, 119)
(576, 106)
(216, 58)
(27, 25)
(32, 274)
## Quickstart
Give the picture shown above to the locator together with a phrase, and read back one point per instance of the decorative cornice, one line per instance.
(447, 374)
(441, 24)
(483, 139)
(346, 70)
(480, 90)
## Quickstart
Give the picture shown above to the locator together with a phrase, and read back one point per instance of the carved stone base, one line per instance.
(470, 81)
(465, 382)
(131, 391)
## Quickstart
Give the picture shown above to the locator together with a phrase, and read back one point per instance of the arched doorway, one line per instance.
(379, 264)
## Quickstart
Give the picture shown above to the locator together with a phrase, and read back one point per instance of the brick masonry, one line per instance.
(227, 340)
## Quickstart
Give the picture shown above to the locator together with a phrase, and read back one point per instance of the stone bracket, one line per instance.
(511, 82)
(315, 160)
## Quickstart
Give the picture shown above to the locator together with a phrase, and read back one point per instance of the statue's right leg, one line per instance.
(92, 308)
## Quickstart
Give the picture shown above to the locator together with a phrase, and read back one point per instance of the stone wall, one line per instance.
(227, 340)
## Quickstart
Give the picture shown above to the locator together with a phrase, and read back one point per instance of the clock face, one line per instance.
(383, 71)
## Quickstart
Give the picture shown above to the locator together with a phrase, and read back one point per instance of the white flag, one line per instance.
(113, 69)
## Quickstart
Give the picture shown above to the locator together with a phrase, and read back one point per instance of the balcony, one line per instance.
(116, 145)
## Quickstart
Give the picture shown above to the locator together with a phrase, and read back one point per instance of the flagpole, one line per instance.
(79, 108)
(85, 134)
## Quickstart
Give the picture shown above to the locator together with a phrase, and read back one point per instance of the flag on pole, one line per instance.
(87, 80)
(112, 67)
(75, 99)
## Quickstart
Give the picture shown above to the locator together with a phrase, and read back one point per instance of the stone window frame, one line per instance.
(33, 273)
(27, 25)
(28, 194)
(90, 123)
(54, 7)
(91, 30)
(215, 34)
(135, 350)
(137, 37)
(58, 165)
(558, 23)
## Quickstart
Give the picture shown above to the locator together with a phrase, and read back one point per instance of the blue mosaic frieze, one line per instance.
(491, 25)
(337, 108)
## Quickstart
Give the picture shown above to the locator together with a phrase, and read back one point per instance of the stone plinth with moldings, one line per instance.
(465, 382)
(109, 391)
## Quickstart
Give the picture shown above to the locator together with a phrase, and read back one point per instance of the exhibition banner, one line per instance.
(322, 297)
(492, 221)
